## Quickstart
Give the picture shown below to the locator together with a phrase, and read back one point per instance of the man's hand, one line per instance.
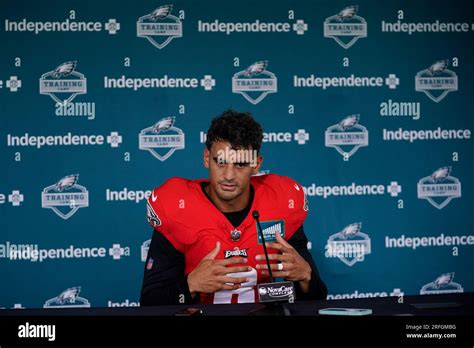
(211, 275)
(290, 266)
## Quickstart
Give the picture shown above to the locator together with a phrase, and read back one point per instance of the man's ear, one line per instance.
(206, 157)
(256, 169)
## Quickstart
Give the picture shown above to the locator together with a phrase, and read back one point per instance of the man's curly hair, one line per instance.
(238, 128)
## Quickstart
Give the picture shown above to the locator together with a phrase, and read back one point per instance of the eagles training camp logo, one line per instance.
(347, 136)
(345, 27)
(162, 139)
(160, 26)
(350, 245)
(255, 82)
(69, 298)
(439, 188)
(63, 84)
(442, 285)
(65, 197)
(436, 81)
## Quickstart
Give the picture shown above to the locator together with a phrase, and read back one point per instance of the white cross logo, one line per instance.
(15, 198)
(392, 81)
(13, 84)
(301, 136)
(396, 292)
(300, 27)
(394, 189)
(208, 82)
(112, 26)
(114, 139)
(116, 251)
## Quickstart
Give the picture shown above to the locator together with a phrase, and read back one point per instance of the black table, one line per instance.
(389, 323)
(449, 304)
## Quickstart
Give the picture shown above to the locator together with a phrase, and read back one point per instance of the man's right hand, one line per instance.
(210, 275)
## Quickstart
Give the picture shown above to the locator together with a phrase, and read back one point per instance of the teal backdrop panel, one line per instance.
(367, 104)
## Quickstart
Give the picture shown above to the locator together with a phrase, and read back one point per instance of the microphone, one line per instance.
(273, 294)
(256, 216)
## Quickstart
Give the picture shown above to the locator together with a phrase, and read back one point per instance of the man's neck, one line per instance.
(237, 204)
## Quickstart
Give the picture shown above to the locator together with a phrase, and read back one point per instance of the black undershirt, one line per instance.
(234, 217)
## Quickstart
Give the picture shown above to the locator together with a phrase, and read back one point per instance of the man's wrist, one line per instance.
(191, 288)
(304, 283)
(307, 279)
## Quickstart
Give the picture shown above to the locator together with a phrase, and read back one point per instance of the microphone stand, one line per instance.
(269, 308)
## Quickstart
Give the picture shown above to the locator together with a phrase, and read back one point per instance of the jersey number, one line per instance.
(245, 294)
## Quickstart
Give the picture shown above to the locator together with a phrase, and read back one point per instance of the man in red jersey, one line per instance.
(205, 247)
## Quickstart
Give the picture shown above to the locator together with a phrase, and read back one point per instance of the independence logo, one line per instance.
(436, 81)
(65, 197)
(345, 27)
(68, 25)
(439, 188)
(63, 84)
(300, 27)
(160, 26)
(255, 82)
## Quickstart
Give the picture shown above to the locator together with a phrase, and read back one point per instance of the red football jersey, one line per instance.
(180, 210)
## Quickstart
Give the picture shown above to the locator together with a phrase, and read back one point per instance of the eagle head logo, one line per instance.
(161, 12)
(349, 122)
(256, 68)
(347, 13)
(69, 295)
(440, 174)
(351, 230)
(443, 280)
(67, 182)
(64, 69)
(163, 124)
(438, 67)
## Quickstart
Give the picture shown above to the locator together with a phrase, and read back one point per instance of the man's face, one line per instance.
(230, 170)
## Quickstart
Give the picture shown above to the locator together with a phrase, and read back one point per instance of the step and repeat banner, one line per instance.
(368, 105)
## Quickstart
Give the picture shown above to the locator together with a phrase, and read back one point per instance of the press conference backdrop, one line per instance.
(367, 104)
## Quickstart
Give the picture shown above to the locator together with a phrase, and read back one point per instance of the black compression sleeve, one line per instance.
(165, 283)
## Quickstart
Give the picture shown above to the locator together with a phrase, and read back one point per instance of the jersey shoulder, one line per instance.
(167, 198)
(281, 198)
(171, 207)
(281, 189)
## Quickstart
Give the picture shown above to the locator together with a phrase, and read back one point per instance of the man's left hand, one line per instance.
(290, 266)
